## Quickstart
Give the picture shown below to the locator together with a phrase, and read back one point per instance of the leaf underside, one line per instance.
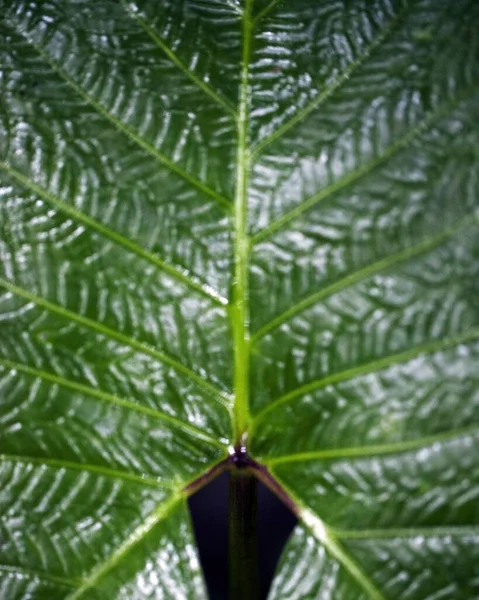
(239, 219)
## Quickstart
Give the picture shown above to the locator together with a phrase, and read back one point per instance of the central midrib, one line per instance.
(240, 294)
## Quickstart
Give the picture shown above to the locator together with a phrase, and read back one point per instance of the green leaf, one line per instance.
(239, 220)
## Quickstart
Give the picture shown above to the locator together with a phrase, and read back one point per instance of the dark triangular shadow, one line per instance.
(209, 511)
(275, 524)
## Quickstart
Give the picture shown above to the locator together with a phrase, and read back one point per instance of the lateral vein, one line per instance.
(356, 174)
(377, 449)
(85, 467)
(337, 551)
(110, 398)
(325, 536)
(423, 246)
(370, 367)
(266, 10)
(434, 531)
(208, 90)
(335, 85)
(191, 281)
(125, 129)
(221, 396)
(134, 538)
(20, 571)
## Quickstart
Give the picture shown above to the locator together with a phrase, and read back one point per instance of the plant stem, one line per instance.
(243, 536)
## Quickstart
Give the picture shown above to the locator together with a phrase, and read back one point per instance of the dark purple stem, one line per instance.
(243, 534)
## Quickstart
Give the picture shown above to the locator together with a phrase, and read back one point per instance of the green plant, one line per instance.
(239, 222)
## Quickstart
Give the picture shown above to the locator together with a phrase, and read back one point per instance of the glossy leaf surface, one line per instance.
(225, 218)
